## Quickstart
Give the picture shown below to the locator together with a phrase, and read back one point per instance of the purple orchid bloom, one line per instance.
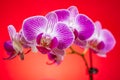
(102, 41)
(14, 46)
(81, 25)
(48, 35)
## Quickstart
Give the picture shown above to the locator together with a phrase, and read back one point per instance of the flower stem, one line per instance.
(86, 64)
(91, 64)
(85, 61)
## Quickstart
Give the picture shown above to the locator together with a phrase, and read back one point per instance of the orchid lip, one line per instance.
(43, 50)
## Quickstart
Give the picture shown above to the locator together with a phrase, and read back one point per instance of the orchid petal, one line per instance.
(75, 33)
(86, 26)
(54, 43)
(102, 55)
(34, 49)
(101, 45)
(10, 57)
(60, 55)
(73, 11)
(33, 26)
(98, 28)
(52, 20)
(63, 14)
(43, 50)
(12, 31)
(108, 39)
(57, 55)
(17, 46)
(39, 38)
(64, 35)
(81, 43)
(24, 42)
(9, 47)
(51, 56)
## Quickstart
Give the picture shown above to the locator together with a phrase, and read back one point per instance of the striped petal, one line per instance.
(52, 20)
(73, 11)
(33, 26)
(64, 35)
(63, 14)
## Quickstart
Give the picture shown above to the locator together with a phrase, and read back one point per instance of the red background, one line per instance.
(72, 68)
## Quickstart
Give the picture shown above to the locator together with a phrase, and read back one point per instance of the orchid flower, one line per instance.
(102, 41)
(14, 46)
(81, 25)
(48, 35)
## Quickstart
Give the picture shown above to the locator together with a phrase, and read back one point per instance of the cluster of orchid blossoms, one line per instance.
(53, 33)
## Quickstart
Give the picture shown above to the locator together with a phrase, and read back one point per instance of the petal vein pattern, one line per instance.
(64, 35)
(33, 26)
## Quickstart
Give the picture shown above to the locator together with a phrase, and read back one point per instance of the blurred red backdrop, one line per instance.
(72, 68)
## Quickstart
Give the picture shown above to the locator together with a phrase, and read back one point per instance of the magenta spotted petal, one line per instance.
(108, 39)
(63, 14)
(33, 26)
(86, 26)
(64, 35)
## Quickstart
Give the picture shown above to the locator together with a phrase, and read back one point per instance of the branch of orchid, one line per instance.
(80, 54)
(84, 59)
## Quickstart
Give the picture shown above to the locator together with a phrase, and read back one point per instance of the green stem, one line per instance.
(91, 63)
(73, 51)
(84, 59)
